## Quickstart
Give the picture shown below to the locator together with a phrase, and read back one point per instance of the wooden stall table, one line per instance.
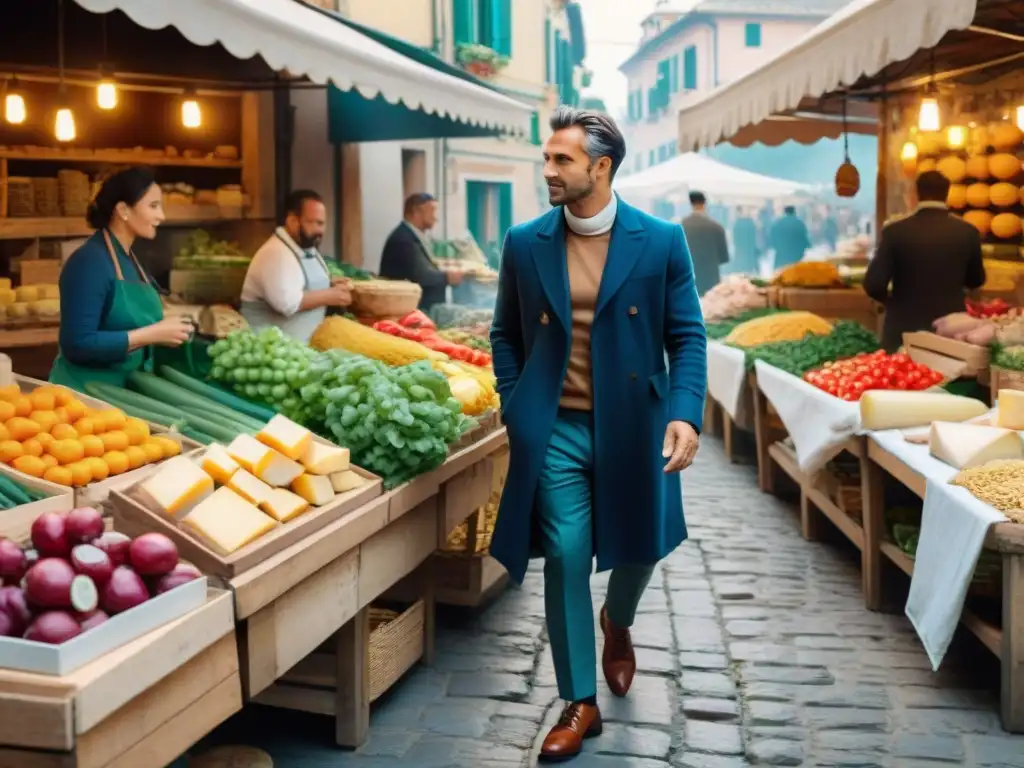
(1006, 641)
(143, 704)
(33, 350)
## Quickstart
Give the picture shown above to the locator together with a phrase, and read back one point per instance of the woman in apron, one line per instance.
(111, 315)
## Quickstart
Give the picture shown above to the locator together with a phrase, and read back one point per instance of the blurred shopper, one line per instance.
(789, 238)
(744, 244)
(930, 257)
(708, 247)
(830, 230)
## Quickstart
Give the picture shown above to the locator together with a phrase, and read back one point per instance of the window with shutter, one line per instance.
(664, 82)
(674, 74)
(496, 25)
(535, 128)
(752, 32)
(690, 68)
(464, 23)
(505, 212)
(549, 68)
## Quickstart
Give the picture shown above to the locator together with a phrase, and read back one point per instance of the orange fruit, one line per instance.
(58, 475)
(32, 447)
(62, 414)
(100, 470)
(10, 450)
(168, 447)
(10, 393)
(115, 440)
(23, 406)
(63, 395)
(76, 410)
(30, 465)
(45, 439)
(136, 456)
(137, 431)
(112, 418)
(63, 432)
(117, 461)
(4, 434)
(22, 429)
(92, 445)
(86, 426)
(42, 400)
(81, 474)
(152, 450)
(68, 451)
(6, 410)
(50, 460)
(45, 419)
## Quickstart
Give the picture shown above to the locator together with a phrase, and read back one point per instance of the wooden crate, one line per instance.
(973, 358)
(832, 304)
(16, 524)
(133, 517)
(465, 494)
(40, 271)
(467, 580)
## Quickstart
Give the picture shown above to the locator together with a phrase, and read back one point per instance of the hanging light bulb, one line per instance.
(14, 104)
(956, 136)
(64, 125)
(191, 114)
(909, 152)
(106, 94)
(1020, 117)
(929, 118)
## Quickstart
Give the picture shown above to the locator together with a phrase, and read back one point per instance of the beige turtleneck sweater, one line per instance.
(585, 258)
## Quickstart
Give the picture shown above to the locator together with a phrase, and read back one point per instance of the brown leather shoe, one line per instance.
(565, 741)
(618, 660)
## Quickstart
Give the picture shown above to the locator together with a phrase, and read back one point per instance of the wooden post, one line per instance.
(429, 613)
(810, 515)
(709, 416)
(765, 471)
(352, 703)
(727, 434)
(872, 491)
(1012, 683)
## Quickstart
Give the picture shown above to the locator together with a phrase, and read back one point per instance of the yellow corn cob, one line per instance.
(342, 333)
(785, 326)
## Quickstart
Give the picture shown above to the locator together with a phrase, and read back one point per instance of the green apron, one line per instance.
(133, 306)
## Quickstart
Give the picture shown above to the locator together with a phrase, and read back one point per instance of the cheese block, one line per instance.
(898, 409)
(49, 291)
(249, 487)
(7, 296)
(248, 452)
(27, 292)
(283, 505)
(1011, 409)
(276, 470)
(286, 437)
(227, 522)
(316, 489)
(969, 445)
(346, 481)
(218, 464)
(323, 459)
(176, 487)
(5, 283)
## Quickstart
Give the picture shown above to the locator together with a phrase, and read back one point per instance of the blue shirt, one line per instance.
(86, 293)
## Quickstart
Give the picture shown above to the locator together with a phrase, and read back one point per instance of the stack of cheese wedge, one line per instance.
(239, 492)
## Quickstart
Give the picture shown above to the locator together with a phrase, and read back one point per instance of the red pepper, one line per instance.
(417, 319)
(388, 326)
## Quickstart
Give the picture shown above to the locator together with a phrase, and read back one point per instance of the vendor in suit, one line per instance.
(600, 356)
(111, 314)
(406, 254)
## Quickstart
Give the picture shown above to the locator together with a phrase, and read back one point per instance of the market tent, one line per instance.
(692, 171)
(299, 39)
(778, 101)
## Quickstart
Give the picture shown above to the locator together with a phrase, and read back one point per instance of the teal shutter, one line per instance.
(504, 211)
(650, 157)
(566, 87)
(475, 192)
(674, 74)
(752, 33)
(498, 15)
(549, 73)
(464, 22)
(690, 68)
(535, 129)
(664, 82)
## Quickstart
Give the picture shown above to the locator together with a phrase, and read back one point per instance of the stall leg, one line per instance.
(429, 612)
(710, 425)
(872, 492)
(352, 703)
(1012, 683)
(727, 435)
(810, 516)
(765, 470)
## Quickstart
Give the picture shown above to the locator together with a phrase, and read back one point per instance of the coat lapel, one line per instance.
(549, 256)
(624, 248)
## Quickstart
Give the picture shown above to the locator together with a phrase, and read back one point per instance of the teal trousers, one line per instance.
(565, 511)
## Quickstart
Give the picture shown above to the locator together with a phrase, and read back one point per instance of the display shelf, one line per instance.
(116, 157)
(30, 228)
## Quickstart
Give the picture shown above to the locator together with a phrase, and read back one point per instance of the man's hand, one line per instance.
(681, 443)
(340, 293)
(454, 277)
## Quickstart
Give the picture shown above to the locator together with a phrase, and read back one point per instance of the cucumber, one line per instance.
(217, 394)
(6, 503)
(14, 491)
(124, 397)
(157, 388)
(217, 433)
(199, 417)
(200, 437)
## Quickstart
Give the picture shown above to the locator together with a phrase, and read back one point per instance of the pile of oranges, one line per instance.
(49, 433)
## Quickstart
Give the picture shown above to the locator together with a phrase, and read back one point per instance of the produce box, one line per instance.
(975, 359)
(119, 630)
(133, 517)
(208, 286)
(1004, 378)
(16, 523)
(950, 368)
(832, 303)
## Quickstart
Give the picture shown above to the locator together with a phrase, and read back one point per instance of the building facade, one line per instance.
(683, 54)
(531, 50)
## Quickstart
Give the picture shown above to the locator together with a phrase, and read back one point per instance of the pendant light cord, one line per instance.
(60, 39)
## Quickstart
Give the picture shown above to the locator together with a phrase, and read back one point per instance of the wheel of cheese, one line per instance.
(980, 220)
(957, 197)
(978, 195)
(977, 167)
(1005, 136)
(1004, 195)
(1004, 166)
(953, 168)
(1006, 226)
(232, 757)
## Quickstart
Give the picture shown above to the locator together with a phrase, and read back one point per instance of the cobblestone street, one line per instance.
(754, 648)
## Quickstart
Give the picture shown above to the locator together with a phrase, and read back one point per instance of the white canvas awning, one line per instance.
(861, 39)
(694, 172)
(292, 36)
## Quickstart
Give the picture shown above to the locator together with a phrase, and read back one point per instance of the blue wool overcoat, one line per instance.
(649, 366)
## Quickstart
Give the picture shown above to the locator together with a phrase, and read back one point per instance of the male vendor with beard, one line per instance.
(288, 284)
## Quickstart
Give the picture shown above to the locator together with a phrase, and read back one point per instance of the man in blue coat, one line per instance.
(599, 351)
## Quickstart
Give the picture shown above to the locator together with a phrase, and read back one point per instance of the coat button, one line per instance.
(544, 318)
(633, 311)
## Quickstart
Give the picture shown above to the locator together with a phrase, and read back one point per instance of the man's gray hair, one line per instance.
(603, 137)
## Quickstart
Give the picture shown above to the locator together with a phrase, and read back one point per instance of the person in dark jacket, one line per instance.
(406, 254)
(789, 238)
(744, 244)
(707, 242)
(931, 258)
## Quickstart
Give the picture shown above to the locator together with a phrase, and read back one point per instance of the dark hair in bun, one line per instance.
(124, 186)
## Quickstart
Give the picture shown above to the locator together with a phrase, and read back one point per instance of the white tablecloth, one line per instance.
(953, 528)
(817, 422)
(727, 376)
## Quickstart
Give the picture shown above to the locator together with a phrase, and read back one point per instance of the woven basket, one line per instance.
(47, 197)
(384, 298)
(21, 201)
(1004, 378)
(396, 644)
(74, 192)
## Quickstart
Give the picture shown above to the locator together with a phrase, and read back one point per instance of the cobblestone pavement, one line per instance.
(754, 648)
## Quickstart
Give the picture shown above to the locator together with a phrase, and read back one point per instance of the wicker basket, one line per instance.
(385, 298)
(75, 189)
(21, 201)
(47, 197)
(396, 644)
(1004, 378)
